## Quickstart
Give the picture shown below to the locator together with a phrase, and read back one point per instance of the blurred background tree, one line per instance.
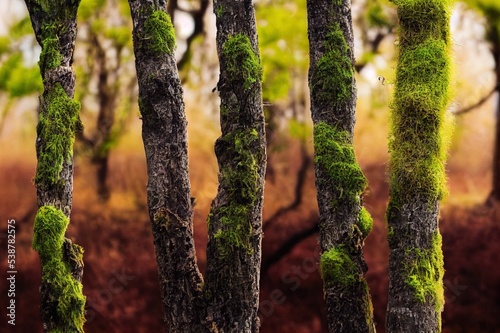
(490, 12)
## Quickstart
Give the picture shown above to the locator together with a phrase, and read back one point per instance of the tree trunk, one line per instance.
(165, 142)
(107, 93)
(62, 301)
(417, 175)
(495, 193)
(343, 223)
(235, 221)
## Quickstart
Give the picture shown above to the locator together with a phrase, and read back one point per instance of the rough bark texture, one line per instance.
(417, 177)
(165, 142)
(343, 223)
(62, 302)
(235, 221)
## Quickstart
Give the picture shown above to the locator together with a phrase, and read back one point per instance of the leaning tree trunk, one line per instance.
(417, 175)
(343, 223)
(235, 221)
(62, 301)
(165, 142)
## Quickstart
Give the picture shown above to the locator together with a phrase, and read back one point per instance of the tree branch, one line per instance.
(478, 103)
(197, 16)
(287, 247)
(299, 188)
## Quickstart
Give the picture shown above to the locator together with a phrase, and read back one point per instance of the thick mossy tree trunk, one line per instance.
(343, 222)
(165, 141)
(62, 302)
(417, 174)
(235, 221)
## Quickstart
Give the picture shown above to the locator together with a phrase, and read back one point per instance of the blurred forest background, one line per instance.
(110, 218)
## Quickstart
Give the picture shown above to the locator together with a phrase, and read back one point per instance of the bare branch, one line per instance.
(478, 103)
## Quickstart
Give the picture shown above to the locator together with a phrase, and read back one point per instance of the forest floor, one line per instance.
(120, 278)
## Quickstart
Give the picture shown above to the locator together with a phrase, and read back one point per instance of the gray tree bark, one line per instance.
(228, 300)
(62, 301)
(165, 141)
(343, 223)
(235, 221)
(417, 175)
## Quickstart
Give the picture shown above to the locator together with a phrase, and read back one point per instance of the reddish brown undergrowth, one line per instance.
(120, 278)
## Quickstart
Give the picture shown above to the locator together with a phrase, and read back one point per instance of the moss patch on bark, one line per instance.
(56, 134)
(66, 292)
(334, 72)
(241, 181)
(159, 33)
(334, 154)
(338, 269)
(242, 63)
(425, 273)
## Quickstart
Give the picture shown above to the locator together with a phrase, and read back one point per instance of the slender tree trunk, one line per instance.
(495, 193)
(343, 223)
(62, 301)
(107, 93)
(228, 300)
(417, 175)
(165, 142)
(235, 221)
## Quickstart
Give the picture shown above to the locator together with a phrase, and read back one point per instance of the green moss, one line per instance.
(390, 233)
(338, 269)
(425, 271)
(241, 183)
(365, 222)
(423, 19)
(420, 125)
(333, 74)
(160, 33)
(50, 56)
(242, 63)
(219, 10)
(65, 292)
(334, 154)
(56, 128)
